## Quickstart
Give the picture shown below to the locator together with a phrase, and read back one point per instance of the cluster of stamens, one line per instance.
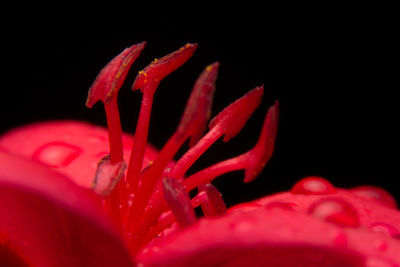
(145, 202)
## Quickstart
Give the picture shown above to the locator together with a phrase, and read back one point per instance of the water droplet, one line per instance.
(56, 154)
(335, 210)
(313, 185)
(375, 193)
(385, 229)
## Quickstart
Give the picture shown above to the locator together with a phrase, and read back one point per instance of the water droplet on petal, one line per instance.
(375, 193)
(313, 185)
(56, 154)
(335, 211)
(385, 229)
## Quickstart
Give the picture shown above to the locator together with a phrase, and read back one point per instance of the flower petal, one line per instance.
(47, 220)
(337, 228)
(70, 147)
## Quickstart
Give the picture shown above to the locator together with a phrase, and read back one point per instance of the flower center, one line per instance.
(145, 202)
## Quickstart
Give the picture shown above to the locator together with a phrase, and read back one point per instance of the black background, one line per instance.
(331, 69)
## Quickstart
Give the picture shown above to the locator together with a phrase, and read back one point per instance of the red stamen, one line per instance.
(112, 76)
(179, 202)
(228, 122)
(167, 219)
(105, 88)
(251, 98)
(252, 161)
(192, 124)
(147, 81)
(198, 108)
(214, 204)
(107, 175)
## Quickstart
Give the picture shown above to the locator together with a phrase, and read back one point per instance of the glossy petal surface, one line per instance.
(47, 220)
(282, 230)
(71, 148)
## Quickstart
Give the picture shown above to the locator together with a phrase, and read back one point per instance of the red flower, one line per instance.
(68, 197)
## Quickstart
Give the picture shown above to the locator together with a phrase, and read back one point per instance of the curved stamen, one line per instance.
(228, 122)
(105, 89)
(147, 81)
(252, 161)
(192, 124)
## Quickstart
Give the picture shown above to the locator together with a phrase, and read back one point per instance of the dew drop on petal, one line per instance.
(56, 154)
(335, 211)
(385, 229)
(313, 185)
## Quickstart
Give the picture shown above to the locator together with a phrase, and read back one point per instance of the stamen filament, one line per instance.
(140, 142)
(186, 161)
(147, 81)
(179, 202)
(150, 178)
(115, 201)
(212, 204)
(105, 89)
(208, 174)
(192, 124)
(252, 162)
(167, 219)
(114, 131)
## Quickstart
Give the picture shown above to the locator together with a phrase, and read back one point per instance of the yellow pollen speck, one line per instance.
(141, 72)
(208, 68)
(155, 60)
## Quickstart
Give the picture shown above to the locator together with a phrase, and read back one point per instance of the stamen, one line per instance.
(228, 122)
(192, 124)
(252, 161)
(147, 81)
(107, 175)
(167, 219)
(105, 88)
(179, 202)
(248, 103)
(214, 204)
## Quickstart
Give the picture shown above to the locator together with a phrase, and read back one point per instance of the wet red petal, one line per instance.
(112, 76)
(47, 220)
(69, 147)
(282, 236)
(233, 118)
(261, 237)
